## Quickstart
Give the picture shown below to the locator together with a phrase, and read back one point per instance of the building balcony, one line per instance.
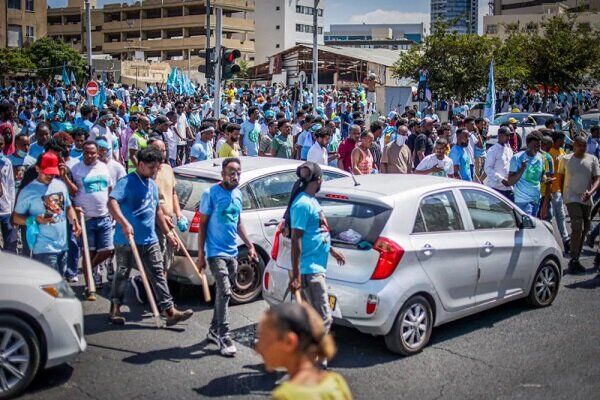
(64, 29)
(229, 24)
(229, 5)
(196, 42)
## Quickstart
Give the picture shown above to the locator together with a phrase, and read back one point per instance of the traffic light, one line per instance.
(208, 69)
(228, 66)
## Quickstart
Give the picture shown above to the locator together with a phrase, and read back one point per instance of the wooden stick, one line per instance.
(201, 274)
(296, 293)
(149, 291)
(87, 269)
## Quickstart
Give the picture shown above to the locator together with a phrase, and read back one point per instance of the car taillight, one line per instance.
(275, 248)
(195, 224)
(372, 301)
(267, 279)
(390, 254)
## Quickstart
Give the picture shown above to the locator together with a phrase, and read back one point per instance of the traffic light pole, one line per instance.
(88, 23)
(218, 34)
(207, 57)
(315, 69)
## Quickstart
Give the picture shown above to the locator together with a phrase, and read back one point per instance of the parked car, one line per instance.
(41, 322)
(590, 119)
(266, 184)
(528, 122)
(422, 251)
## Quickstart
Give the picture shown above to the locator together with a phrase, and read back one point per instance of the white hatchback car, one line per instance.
(422, 251)
(266, 184)
(41, 322)
(528, 122)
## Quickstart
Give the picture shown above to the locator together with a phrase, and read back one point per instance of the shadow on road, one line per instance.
(591, 283)
(136, 320)
(254, 382)
(50, 378)
(173, 354)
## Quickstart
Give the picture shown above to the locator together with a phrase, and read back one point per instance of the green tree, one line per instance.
(244, 69)
(14, 60)
(50, 55)
(457, 65)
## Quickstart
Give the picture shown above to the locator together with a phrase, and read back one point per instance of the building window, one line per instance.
(320, 12)
(15, 36)
(29, 5)
(320, 30)
(277, 27)
(14, 4)
(30, 32)
(277, 46)
(491, 29)
(299, 28)
(277, 8)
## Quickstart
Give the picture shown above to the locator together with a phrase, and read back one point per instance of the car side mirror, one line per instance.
(526, 222)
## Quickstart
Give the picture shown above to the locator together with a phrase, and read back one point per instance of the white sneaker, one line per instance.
(227, 347)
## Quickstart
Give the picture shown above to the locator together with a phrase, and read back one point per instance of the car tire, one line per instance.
(544, 287)
(29, 350)
(247, 284)
(404, 339)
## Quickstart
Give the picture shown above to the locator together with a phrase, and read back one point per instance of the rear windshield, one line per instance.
(354, 225)
(189, 190)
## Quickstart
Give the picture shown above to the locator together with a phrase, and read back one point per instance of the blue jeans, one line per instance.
(9, 234)
(72, 254)
(56, 261)
(530, 208)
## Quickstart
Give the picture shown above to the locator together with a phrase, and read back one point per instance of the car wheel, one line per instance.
(545, 285)
(247, 285)
(412, 329)
(19, 356)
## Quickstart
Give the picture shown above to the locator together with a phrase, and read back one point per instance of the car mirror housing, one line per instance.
(526, 222)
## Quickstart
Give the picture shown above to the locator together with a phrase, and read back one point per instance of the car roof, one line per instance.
(252, 167)
(386, 187)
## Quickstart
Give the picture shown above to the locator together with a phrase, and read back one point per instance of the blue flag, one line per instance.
(73, 80)
(490, 98)
(100, 98)
(65, 76)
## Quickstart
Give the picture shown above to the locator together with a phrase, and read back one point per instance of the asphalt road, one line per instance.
(511, 352)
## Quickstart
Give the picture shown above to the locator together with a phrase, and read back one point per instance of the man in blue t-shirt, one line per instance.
(526, 174)
(251, 132)
(43, 206)
(310, 242)
(133, 203)
(220, 224)
(460, 156)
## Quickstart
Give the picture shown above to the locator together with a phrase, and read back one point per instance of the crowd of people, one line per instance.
(65, 161)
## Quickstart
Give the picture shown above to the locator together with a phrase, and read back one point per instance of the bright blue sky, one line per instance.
(358, 11)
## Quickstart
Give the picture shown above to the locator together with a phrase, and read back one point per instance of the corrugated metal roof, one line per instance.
(379, 56)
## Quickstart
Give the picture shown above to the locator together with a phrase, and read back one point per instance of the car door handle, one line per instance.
(427, 250)
(488, 247)
(272, 222)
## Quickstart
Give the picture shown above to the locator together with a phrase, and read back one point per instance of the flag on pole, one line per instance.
(100, 98)
(73, 80)
(65, 76)
(490, 98)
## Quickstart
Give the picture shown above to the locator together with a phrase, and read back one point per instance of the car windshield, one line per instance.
(541, 119)
(590, 120)
(189, 189)
(352, 224)
(502, 119)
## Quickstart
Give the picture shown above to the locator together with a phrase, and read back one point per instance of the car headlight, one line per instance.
(59, 290)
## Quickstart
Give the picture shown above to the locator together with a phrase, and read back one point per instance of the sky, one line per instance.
(361, 11)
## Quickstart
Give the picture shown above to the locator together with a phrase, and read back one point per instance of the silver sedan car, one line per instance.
(41, 322)
(422, 251)
(266, 184)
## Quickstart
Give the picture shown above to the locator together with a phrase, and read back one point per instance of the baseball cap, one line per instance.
(103, 144)
(49, 164)
(512, 121)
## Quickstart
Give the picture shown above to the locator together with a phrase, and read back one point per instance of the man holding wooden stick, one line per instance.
(134, 205)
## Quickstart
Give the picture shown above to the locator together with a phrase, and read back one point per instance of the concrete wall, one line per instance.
(23, 19)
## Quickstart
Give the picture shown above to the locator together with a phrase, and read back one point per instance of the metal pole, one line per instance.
(218, 33)
(88, 39)
(208, 12)
(315, 69)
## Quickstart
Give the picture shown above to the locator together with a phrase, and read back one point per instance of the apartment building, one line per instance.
(283, 24)
(462, 16)
(375, 36)
(531, 16)
(172, 31)
(21, 21)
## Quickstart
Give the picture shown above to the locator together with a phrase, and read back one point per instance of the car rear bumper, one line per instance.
(351, 300)
(64, 330)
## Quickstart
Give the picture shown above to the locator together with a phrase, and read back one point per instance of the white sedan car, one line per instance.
(41, 322)
(422, 251)
(266, 184)
(527, 122)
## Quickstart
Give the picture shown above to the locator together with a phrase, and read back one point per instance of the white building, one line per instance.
(283, 24)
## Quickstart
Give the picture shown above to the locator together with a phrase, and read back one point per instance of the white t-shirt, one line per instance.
(93, 183)
(116, 170)
(220, 143)
(182, 124)
(172, 142)
(431, 161)
(317, 154)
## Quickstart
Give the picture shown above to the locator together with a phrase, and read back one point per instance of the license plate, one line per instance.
(332, 302)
